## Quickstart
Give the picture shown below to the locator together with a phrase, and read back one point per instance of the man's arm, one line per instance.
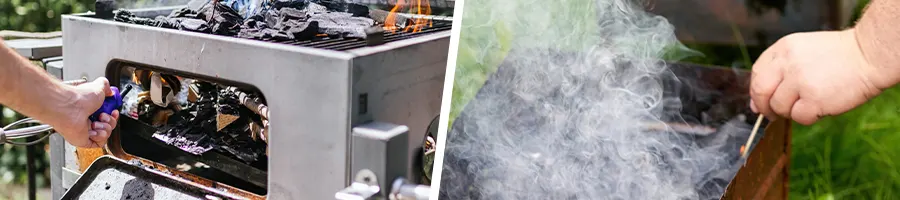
(878, 35)
(31, 91)
(26, 86)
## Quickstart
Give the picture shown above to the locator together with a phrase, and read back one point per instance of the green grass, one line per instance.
(851, 156)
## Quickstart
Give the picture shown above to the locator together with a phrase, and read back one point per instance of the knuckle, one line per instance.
(759, 89)
(779, 109)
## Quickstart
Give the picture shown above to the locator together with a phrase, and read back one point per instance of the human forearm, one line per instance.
(878, 36)
(31, 91)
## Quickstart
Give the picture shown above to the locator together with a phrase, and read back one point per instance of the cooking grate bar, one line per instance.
(389, 37)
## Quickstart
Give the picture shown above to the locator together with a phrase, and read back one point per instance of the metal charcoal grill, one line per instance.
(716, 92)
(347, 114)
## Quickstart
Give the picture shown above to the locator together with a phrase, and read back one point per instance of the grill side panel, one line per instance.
(403, 82)
(307, 90)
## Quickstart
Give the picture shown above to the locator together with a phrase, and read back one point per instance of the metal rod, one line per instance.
(251, 103)
(752, 136)
(27, 131)
(76, 81)
(29, 165)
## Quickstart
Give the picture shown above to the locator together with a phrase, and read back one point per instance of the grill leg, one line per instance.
(29, 164)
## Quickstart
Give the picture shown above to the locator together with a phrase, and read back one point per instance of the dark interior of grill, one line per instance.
(323, 24)
(187, 134)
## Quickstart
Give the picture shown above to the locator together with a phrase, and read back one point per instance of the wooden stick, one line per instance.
(752, 136)
(692, 129)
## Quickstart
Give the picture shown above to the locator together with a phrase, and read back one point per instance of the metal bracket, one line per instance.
(69, 177)
(358, 191)
(379, 149)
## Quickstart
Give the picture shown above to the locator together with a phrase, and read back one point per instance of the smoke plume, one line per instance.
(564, 116)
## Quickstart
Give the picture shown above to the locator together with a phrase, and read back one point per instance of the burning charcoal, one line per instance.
(280, 25)
(246, 8)
(195, 25)
(380, 16)
(223, 19)
(128, 17)
(265, 34)
(343, 24)
(288, 14)
(358, 10)
(315, 9)
(187, 24)
(185, 13)
(333, 5)
(296, 23)
(270, 19)
(301, 30)
(288, 3)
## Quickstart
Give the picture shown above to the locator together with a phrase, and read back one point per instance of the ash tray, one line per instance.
(110, 178)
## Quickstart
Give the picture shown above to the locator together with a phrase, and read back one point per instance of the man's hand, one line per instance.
(86, 99)
(806, 76)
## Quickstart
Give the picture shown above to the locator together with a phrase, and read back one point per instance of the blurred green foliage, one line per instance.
(38, 15)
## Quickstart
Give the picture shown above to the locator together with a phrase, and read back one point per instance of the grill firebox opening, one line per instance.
(203, 126)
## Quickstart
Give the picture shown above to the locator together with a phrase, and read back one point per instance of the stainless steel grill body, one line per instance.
(313, 93)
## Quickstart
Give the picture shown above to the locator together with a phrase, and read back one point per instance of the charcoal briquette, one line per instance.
(358, 10)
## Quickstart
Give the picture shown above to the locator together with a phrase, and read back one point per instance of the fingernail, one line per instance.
(92, 133)
(98, 125)
(104, 118)
(753, 107)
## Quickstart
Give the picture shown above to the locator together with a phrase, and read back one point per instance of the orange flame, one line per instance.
(421, 7)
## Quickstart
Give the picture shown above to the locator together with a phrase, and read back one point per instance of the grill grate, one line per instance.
(343, 44)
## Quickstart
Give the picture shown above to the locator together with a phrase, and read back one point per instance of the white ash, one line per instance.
(112, 184)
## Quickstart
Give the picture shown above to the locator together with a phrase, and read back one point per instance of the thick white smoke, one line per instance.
(566, 114)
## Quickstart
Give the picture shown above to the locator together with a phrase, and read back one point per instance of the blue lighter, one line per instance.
(110, 104)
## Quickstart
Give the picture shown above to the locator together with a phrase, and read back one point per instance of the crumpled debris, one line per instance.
(194, 129)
